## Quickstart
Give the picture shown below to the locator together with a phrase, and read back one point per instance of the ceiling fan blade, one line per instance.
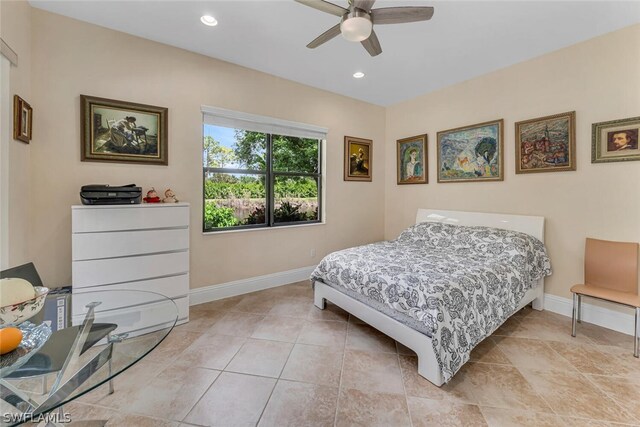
(325, 37)
(401, 15)
(365, 5)
(325, 6)
(372, 44)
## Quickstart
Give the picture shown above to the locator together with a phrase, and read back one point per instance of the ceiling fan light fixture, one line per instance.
(209, 20)
(356, 27)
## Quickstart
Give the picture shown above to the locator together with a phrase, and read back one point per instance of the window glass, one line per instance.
(233, 200)
(234, 148)
(296, 199)
(254, 179)
(292, 154)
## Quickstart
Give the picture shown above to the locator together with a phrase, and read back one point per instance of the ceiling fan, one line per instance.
(357, 22)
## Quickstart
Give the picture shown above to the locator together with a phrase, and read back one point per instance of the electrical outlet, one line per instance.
(312, 253)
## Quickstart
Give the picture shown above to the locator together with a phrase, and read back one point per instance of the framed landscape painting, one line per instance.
(357, 159)
(412, 160)
(119, 131)
(471, 153)
(616, 141)
(546, 144)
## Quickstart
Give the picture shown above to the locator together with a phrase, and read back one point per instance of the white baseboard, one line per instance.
(611, 319)
(245, 286)
(607, 318)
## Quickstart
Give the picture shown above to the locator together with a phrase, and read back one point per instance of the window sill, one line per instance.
(251, 230)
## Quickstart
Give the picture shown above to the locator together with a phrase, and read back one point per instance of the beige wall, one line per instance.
(599, 79)
(15, 30)
(72, 58)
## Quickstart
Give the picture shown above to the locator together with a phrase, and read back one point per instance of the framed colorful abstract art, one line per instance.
(471, 153)
(546, 144)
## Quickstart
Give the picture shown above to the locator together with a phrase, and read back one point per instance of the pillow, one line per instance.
(433, 234)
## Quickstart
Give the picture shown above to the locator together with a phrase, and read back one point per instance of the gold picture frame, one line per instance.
(546, 144)
(616, 141)
(412, 160)
(473, 153)
(123, 132)
(358, 159)
(22, 120)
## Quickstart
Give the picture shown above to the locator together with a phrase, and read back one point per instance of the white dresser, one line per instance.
(131, 247)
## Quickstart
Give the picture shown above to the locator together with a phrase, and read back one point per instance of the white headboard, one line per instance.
(533, 225)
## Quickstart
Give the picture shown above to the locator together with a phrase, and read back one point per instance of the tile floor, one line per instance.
(272, 359)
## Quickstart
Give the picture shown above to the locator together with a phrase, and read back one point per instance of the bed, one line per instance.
(443, 285)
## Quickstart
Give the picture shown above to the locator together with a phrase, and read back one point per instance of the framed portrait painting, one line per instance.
(22, 119)
(358, 159)
(412, 160)
(616, 141)
(471, 153)
(546, 144)
(125, 132)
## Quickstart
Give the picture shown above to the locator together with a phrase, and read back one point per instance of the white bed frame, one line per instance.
(417, 341)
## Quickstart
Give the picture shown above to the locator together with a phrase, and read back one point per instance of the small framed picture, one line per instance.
(22, 119)
(123, 132)
(358, 159)
(471, 153)
(546, 144)
(412, 160)
(615, 141)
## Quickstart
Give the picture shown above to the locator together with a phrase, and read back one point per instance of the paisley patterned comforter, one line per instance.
(460, 283)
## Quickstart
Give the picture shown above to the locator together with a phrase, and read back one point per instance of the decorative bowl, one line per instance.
(19, 312)
(33, 338)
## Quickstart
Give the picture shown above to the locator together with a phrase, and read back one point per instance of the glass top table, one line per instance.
(109, 332)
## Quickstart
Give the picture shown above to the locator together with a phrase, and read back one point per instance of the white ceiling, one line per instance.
(461, 41)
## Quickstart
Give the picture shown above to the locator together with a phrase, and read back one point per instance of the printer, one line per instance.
(107, 195)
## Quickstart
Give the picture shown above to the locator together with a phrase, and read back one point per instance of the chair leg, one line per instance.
(574, 316)
(579, 308)
(636, 338)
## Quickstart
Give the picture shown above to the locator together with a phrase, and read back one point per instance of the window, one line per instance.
(259, 172)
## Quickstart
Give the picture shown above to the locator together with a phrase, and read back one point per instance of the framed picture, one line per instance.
(615, 141)
(471, 153)
(412, 160)
(119, 131)
(22, 119)
(358, 159)
(546, 144)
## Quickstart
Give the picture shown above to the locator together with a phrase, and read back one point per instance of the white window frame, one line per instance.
(216, 116)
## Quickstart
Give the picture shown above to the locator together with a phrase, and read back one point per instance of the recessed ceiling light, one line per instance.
(358, 75)
(209, 20)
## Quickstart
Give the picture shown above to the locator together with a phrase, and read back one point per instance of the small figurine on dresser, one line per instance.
(152, 196)
(169, 196)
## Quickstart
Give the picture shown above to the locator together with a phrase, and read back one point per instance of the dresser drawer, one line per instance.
(172, 286)
(150, 316)
(107, 218)
(88, 246)
(128, 269)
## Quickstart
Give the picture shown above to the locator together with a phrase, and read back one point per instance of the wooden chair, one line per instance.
(610, 274)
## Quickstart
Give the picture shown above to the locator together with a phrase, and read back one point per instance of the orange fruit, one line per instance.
(10, 339)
